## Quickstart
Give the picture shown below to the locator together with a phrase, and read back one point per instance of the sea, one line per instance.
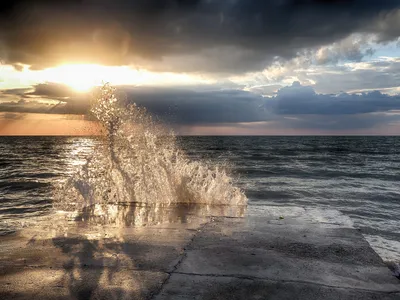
(356, 175)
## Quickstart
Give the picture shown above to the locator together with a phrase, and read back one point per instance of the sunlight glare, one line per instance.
(83, 77)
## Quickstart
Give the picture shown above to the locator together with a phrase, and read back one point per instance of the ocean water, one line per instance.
(359, 176)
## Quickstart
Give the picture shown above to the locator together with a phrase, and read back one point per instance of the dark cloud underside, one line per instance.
(303, 100)
(177, 35)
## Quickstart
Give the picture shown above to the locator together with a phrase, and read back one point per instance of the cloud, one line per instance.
(16, 91)
(26, 107)
(303, 100)
(352, 77)
(352, 48)
(377, 74)
(199, 107)
(52, 90)
(171, 105)
(49, 90)
(11, 116)
(265, 90)
(388, 25)
(193, 35)
(51, 98)
(290, 108)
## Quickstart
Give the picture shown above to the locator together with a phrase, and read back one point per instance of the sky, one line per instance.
(204, 67)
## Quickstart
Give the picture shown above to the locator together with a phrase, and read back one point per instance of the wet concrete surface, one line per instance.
(193, 253)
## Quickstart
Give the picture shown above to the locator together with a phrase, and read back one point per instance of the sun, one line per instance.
(83, 77)
(80, 77)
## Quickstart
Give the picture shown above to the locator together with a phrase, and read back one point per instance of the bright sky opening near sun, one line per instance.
(83, 77)
(205, 67)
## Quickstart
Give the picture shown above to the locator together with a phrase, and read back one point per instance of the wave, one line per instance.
(140, 161)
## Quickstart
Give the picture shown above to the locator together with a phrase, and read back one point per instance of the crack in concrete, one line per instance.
(247, 277)
(180, 260)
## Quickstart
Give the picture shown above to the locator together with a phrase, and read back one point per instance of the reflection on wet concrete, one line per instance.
(118, 251)
(140, 214)
(188, 252)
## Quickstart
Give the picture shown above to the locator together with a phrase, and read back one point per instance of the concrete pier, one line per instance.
(195, 253)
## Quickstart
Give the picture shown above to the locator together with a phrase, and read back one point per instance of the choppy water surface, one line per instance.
(357, 175)
(29, 168)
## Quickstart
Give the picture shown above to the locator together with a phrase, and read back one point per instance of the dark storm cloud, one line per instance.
(303, 100)
(198, 107)
(293, 107)
(178, 35)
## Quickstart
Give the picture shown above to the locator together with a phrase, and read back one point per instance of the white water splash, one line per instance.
(139, 161)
